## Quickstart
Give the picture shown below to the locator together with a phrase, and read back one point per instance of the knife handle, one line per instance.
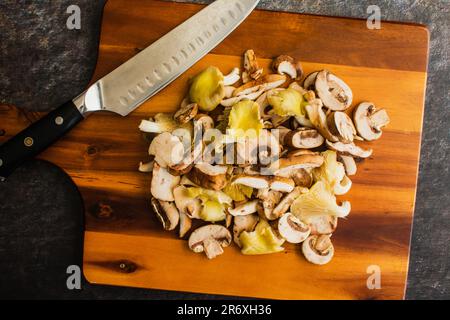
(37, 137)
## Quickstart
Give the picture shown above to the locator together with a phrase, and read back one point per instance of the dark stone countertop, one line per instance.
(43, 64)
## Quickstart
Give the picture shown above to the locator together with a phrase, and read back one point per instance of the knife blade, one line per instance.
(134, 82)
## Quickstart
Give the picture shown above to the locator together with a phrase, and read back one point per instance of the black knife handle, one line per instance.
(37, 137)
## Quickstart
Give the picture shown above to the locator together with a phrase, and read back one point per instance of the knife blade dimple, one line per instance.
(152, 69)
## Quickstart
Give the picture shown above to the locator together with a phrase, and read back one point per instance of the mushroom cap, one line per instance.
(333, 91)
(210, 231)
(369, 120)
(292, 229)
(310, 81)
(285, 64)
(167, 149)
(341, 125)
(209, 176)
(319, 257)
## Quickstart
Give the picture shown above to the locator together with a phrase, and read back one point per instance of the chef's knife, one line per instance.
(135, 81)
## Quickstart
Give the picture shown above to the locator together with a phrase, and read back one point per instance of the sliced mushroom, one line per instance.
(185, 224)
(232, 77)
(247, 151)
(231, 101)
(285, 203)
(209, 176)
(321, 224)
(187, 113)
(292, 229)
(268, 147)
(185, 204)
(294, 85)
(266, 83)
(318, 249)
(304, 138)
(281, 184)
(269, 200)
(369, 121)
(166, 212)
(319, 119)
(341, 126)
(302, 178)
(253, 181)
(349, 149)
(334, 93)
(349, 164)
(251, 65)
(228, 220)
(310, 81)
(163, 183)
(228, 92)
(245, 77)
(182, 168)
(304, 121)
(343, 187)
(206, 121)
(244, 209)
(167, 149)
(282, 132)
(244, 223)
(284, 167)
(286, 65)
(210, 239)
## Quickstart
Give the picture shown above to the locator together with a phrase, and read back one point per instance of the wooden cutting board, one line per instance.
(124, 244)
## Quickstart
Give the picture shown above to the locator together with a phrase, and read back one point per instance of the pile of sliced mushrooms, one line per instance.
(282, 181)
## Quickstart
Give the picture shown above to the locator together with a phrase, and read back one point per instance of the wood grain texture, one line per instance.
(124, 244)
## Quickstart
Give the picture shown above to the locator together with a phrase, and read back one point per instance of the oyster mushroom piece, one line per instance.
(269, 199)
(334, 93)
(304, 138)
(166, 212)
(349, 149)
(243, 223)
(185, 204)
(318, 249)
(231, 101)
(310, 81)
(292, 229)
(185, 224)
(341, 126)
(369, 121)
(321, 224)
(186, 113)
(285, 203)
(232, 77)
(167, 149)
(210, 239)
(244, 209)
(286, 65)
(207, 89)
(284, 167)
(209, 176)
(266, 83)
(251, 65)
(349, 164)
(163, 183)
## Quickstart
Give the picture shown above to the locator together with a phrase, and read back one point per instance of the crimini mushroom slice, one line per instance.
(244, 209)
(281, 184)
(286, 65)
(321, 224)
(253, 181)
(349, 149)
(251, 65)
(310, 81)
(269, 200)
(167, 149)
(268, 147)
(369, 121)
(185, 204)
(186, 113)
(166, 212)
(231, 101)
(302, 178)
(146, 167)
(304, 138)
(286, 201)
(284, 167)
(163, 183)
(319, 119)
(334, 93)
(292, 229)
(244, 223)
(343, 186)
(209, 176)
(232, 77)
(341, 126)
(185, 224)
(318, 249)
(205, 121)
(210, 239)
(349, 164)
